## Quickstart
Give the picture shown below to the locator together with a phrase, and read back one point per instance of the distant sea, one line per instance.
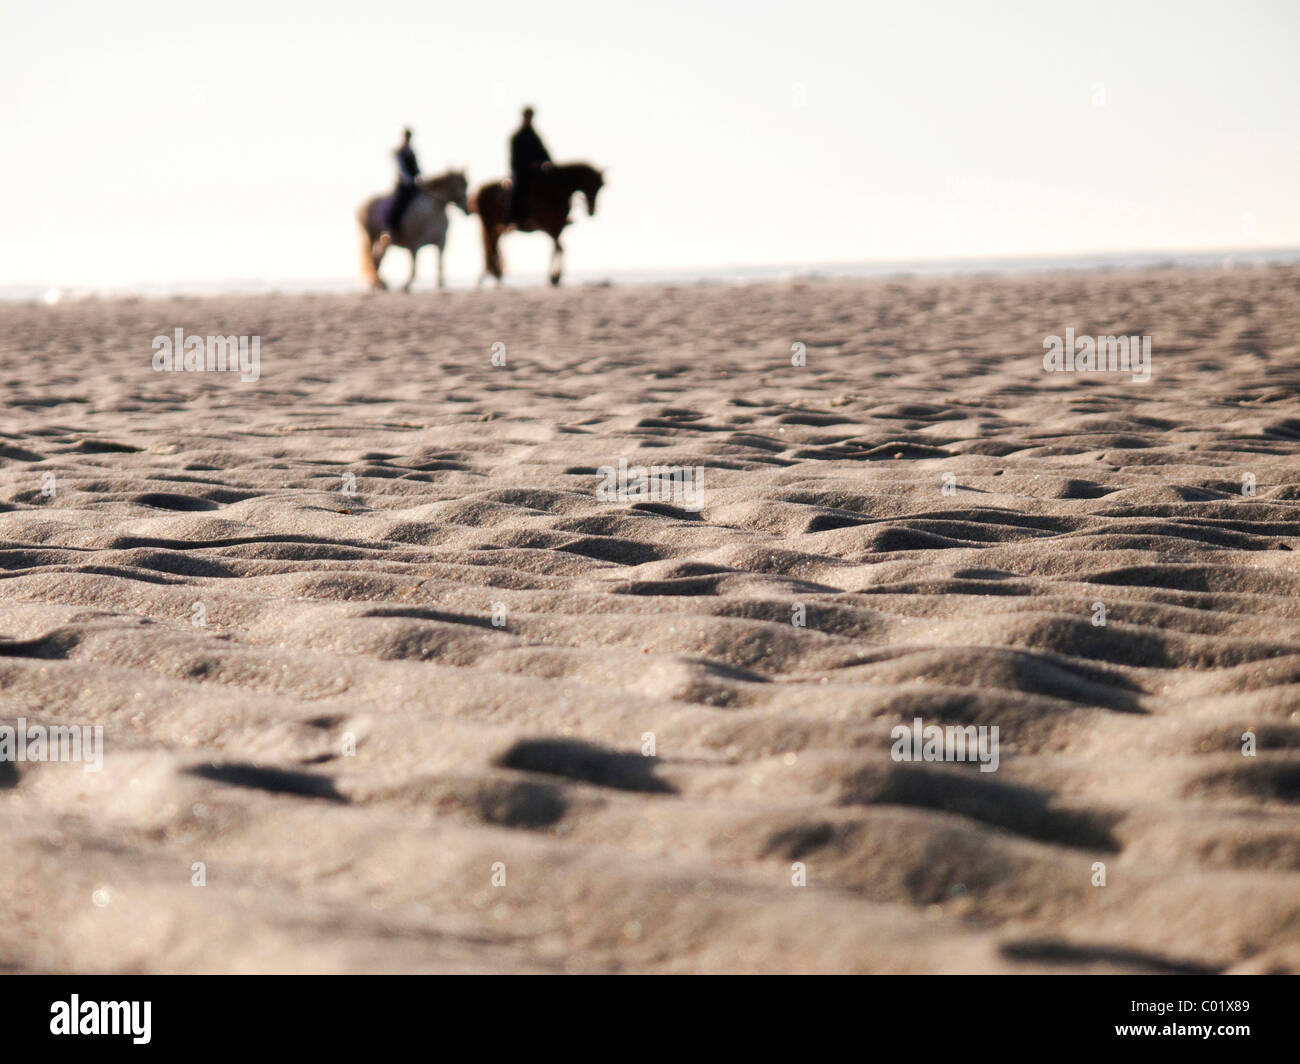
(715, 275)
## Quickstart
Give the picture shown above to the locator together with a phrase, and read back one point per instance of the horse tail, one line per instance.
(491, 249)
(369, 271)
(487, 204)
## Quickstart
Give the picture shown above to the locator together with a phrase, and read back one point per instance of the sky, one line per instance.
(166, 143)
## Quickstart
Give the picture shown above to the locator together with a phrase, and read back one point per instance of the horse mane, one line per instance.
(434, 184)
(575, 168)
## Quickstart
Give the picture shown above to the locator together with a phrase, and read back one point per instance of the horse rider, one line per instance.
(408, 171)
(528, 156)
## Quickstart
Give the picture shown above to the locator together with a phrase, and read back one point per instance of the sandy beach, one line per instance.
(388, 683)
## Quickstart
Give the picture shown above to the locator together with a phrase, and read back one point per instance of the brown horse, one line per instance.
(425, 222)
(552, 190)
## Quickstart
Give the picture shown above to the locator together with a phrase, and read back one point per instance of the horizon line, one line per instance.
(865, 268)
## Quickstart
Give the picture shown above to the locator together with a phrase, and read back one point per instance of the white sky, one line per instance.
(170, 142)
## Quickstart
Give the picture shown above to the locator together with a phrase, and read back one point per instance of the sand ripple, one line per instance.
(498, 645)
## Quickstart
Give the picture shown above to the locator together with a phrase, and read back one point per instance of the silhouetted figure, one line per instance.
(408, 171)
(528, 155)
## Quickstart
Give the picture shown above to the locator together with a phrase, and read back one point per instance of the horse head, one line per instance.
(451, 187)
(590, 182)
(458, 189)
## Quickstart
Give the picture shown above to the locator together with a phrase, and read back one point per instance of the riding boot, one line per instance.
(402, 197)
(518, 197)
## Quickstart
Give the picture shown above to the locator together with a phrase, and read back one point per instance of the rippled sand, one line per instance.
(403, 695)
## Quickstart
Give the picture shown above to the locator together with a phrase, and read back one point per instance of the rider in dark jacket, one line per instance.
(408, 172)
(528, 155)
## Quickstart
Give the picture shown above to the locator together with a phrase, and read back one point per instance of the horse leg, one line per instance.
(411, 280)
(442, 280)
(557, 262)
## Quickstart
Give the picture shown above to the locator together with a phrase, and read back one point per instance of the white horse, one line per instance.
(424, 222)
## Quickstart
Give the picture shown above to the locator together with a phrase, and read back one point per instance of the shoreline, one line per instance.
(1101, 262)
